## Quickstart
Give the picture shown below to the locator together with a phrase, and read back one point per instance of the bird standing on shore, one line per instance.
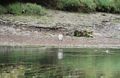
(60, 37)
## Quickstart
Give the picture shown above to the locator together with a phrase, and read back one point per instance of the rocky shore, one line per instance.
(44, 30)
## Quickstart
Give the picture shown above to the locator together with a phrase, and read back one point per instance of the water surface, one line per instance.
(24, 62)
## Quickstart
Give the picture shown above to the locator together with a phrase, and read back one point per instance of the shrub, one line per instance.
(90, 4)
(25, 8)
(77, 5)
(117, 6)
(16, 8)
(2, 9)
(34, 9)
(106, 5)
(70, 5)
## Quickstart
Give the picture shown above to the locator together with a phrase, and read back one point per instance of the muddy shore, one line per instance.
(44, 30)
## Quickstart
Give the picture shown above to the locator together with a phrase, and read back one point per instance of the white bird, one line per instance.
(60, 37)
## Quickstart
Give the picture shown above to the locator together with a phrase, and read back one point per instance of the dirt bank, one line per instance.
(44, 30)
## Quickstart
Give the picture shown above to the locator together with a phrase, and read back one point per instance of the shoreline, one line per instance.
(57, 46)
(44, 30)
(80, 46)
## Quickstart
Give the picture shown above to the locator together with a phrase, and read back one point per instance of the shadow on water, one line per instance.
(24, 62)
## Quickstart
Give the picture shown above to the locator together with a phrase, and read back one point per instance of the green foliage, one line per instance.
(76, 5)
(117, 6)
(112, 6)
(90, 4)
(69, 4)
(2, 9)
(25, 8)
(16, 8)
(34, 9)
(106, 5)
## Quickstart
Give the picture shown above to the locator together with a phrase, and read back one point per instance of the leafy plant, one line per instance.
(25, 8)
(90, 4)
(69, 4)
(77, 5)
(117, 6)
(105, 5)
(16, 8)
(34, 9)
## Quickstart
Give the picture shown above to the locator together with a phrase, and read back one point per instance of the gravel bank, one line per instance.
(44, 30)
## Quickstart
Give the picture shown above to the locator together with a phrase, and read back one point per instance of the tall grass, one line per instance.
(77, 5)
(16, 8)
(112, 6)
(69, 5)
(90, 5)
(106, 5)
(117, 6)
(25, 8)
(34, 9)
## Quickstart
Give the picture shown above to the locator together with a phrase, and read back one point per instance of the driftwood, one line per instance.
(83, 33)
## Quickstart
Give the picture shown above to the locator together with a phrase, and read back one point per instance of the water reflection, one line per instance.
(60, 54)
(59, 63)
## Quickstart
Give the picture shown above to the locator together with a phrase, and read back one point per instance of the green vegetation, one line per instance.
(112, 6)
(69, 4)
(2, 10)
(90, 4)
(106, 5)
(117, 6)
(77, 5)
(28, 8)
(16, 8)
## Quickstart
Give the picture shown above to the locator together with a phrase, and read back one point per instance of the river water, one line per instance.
(40, 62)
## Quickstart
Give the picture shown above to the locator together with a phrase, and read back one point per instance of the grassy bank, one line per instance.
(22, 8)
(111, 6)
